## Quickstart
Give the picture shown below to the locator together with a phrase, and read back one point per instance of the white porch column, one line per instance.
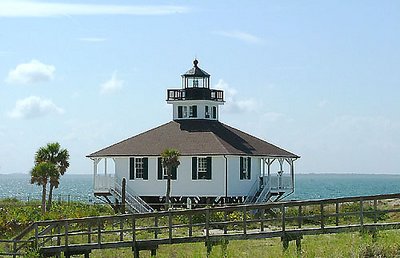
(292, 171)
(105, 166)
(280, 172)
(95, 163)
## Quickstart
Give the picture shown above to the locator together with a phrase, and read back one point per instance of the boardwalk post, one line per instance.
(225, 219)
(58, 234)
(298, 244)
(121, 228)
(375, 210)
(170, 226)
(190, 225)
(361, 213)
(14, 248)
(155, 226)
(300, 218)
(208, 243)
(66, 233)
(244, 220)
(262, 220)
(89, 233)
(322, 216)
(337, 213)
(99, 232)
(135, 248)
(36, 236)
(285, 242)
(283, 218)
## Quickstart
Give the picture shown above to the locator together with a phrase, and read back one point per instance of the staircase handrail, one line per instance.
(137, 203)
(253, 192)
(265, 191)
(132, 193)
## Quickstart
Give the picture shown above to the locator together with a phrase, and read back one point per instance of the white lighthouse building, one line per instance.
(218, 164)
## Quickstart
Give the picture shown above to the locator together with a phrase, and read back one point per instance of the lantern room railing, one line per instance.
(195, 94)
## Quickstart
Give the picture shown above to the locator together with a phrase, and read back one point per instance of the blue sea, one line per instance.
(307, 186)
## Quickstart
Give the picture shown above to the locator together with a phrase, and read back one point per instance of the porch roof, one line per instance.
(192, 138)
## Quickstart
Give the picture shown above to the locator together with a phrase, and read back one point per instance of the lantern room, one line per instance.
(195, 100)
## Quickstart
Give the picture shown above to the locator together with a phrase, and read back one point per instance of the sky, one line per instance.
(318, 78)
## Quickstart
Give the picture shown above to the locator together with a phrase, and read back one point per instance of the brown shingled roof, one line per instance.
(191, 138)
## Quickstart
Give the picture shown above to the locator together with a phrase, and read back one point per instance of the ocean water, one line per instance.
(72, 187)
(307, 186)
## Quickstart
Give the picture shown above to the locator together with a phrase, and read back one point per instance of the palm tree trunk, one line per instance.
(48, 208)
(167, 196)
(44, 199)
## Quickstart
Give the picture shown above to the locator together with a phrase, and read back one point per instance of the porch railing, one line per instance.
(103, 183)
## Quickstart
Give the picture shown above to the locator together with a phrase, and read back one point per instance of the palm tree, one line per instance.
(170, 160)
(40, 175)
(53, 153)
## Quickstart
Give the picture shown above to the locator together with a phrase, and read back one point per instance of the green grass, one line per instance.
(387, 244)
(16, 215)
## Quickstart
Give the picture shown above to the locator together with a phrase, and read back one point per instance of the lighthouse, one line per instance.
(219, 164)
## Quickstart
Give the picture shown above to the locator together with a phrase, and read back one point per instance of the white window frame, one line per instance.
(164, 171)
(201, 167)
(139, 168)
(245, 168)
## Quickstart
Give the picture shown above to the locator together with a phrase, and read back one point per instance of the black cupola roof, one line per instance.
(196, 71)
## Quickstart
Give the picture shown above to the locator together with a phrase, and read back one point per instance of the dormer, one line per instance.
(195, 100)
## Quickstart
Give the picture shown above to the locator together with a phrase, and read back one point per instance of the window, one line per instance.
(214, 112)
(185, 113)
(207, 112)
(138, 168)
(245, 168)
(201, 168)
(162, 171)
(193, 111)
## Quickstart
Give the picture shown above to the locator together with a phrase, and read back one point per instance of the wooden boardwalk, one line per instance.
(287, 220)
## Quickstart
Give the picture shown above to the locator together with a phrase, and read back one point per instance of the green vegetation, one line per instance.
(387, 244)
(16, 215)
(170, 160)
(52, 154)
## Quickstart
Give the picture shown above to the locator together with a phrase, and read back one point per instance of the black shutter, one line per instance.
(209, 165)
(194, 111)
(248, 168)
(194, 168)
(173, 174)
(214, 113)
(131, 168)
(180, 113)
(145, 168)
(241, 168)
(159, 169)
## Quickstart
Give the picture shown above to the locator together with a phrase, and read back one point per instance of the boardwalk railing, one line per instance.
(288, 220)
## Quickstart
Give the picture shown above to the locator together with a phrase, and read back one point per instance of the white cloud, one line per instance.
(233, 104)
(25, 8)
(240, 35)
(32, 72)
(111, 85)
(92, 39)
(33, 107)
